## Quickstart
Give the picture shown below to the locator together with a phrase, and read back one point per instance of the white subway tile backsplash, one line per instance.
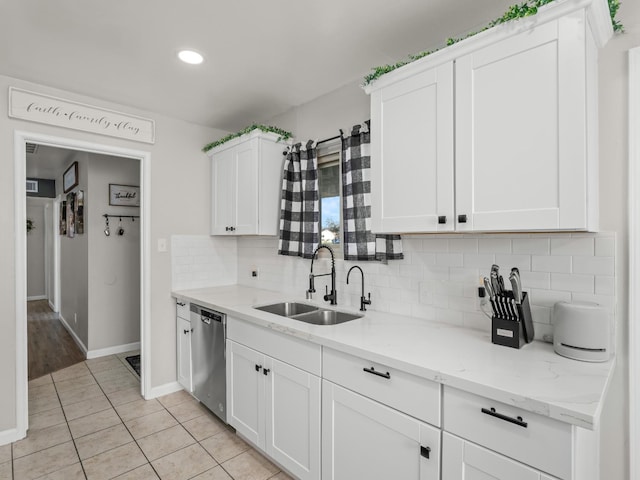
(573, 283)
(557, 264)
(593, 265)
(572, 246)
(494, 245)
(531, 246)
(437, 280)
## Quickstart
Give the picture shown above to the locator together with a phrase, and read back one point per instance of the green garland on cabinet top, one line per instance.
(284, 135)
(525, 9)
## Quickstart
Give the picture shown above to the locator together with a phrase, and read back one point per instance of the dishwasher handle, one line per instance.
(224, 337)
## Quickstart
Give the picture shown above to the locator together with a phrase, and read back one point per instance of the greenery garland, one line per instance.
(522, 10)
(284, 135)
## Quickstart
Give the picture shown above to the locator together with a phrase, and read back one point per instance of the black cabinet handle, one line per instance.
(181, 304)
(188, 331)
(258, 367)
(425, 451)
(266, 371)
(442, 219)
(380, 374)
(517, 421)
(462, 219)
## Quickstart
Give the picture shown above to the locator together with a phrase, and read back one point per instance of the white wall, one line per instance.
(177, 165)
(36, 281)
(114, 261)
(74, 264)
(201, 261)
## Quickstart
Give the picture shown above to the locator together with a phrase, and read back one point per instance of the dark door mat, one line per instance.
(134, 361)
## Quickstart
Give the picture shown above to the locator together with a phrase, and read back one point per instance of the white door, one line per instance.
(365, 439)
(521, 159)
(463, 460)
(183, 335)
(245, 392)
(246, 171)
(412, 154)
(293, 419)
(222, 196)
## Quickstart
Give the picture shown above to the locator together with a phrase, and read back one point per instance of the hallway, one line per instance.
(51, 347)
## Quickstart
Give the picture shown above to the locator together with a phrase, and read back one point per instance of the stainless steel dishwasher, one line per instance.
(208, 359)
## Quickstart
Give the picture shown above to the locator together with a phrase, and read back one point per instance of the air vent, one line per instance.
(32, 186)
(32, 148)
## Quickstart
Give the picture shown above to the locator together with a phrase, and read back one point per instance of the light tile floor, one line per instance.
(89, 421)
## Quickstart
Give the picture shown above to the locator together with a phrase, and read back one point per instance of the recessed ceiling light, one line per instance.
(191, 57)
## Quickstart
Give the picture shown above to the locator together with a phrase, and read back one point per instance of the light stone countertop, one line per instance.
(533, 378)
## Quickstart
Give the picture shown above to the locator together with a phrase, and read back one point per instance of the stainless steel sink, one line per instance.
(288, 309)
(327, 317)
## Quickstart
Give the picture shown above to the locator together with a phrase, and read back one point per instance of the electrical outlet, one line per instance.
(162, 244)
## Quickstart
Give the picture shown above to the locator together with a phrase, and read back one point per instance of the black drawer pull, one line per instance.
(258, 367)
(442, 219)
(188, 331)
(425, 451)
(181, 304)
(266, 371)
(380, 374)
(517, 421)
(462, 219)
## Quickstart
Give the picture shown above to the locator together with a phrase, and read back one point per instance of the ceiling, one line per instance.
(261, 57)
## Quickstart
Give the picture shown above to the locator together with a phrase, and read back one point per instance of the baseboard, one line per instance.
(73, 334)
(11, 435)
(161, 390)
(52, 306)
(102, 352)
(37, 297)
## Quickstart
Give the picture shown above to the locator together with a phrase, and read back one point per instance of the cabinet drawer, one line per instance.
(182, 309)
(533, 439)
(299, 353)
(412, 395)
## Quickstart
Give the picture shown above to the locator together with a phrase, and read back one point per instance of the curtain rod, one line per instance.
(325, 140)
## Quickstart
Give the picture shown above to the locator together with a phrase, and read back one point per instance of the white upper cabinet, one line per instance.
(512, 111)
(412, 155)
(246, 179)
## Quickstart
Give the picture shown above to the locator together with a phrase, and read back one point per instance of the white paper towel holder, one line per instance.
(581, 331)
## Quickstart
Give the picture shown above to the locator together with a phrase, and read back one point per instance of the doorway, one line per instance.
(21, 139)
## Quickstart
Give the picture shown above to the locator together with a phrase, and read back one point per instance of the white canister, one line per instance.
(581, 331)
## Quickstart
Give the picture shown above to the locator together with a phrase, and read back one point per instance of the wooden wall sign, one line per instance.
(36, 107)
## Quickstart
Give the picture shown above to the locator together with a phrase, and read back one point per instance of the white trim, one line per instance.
(75, 337)
(9, 436)
(634, 262)
(20, 138)
(36, 297)
(165, 389)
(103, 352)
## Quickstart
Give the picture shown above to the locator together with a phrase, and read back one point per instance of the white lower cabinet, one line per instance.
(183, 345)
(463, 460)
(275, 406)
(362, 438)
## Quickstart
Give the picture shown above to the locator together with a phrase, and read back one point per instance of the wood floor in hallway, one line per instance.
(51, 347)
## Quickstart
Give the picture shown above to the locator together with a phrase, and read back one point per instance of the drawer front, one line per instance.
(535, 440)
(299, 353)
(182, 309)
(412, 395)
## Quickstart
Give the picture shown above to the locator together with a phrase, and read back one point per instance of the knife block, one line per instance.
(514, 334)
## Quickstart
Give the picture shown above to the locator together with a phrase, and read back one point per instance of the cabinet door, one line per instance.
(222, 196)
(293, 419)
(521, 159)
(246, 173)
(183, 337)
(462, 460)
(245, 392)
(365, 439)
(412, 153)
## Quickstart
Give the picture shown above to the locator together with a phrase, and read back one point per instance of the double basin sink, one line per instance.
(309, 313)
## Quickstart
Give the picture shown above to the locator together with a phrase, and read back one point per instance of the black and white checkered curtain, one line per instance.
(300, 205)
(359, 243)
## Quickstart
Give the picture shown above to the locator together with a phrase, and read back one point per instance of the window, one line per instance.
(330, 199)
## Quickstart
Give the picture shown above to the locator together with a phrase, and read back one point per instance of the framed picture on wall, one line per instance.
(71, 217)
(80, 212)
(63, 217)
(70, 177)
(124, 195)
